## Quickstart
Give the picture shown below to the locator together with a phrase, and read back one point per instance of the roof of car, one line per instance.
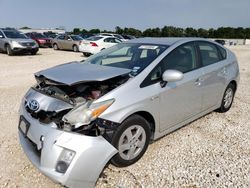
(161, 40)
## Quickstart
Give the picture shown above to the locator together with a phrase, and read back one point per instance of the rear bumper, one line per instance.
(91, 153)
(90, 50)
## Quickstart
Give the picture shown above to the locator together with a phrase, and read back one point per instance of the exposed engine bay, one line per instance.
(76, 111)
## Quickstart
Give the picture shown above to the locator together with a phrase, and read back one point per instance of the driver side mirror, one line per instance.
(1, 36)
(171, 76)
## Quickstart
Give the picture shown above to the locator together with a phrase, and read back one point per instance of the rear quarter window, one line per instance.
(223, 52)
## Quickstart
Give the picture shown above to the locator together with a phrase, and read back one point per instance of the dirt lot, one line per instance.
(213, 151)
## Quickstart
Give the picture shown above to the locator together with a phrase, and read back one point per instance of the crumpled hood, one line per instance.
(76, 72)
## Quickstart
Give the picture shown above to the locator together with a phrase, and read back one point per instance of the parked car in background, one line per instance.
(222, 42)
(113, 35)
(67, 42)
(128, 37)
(13, 42)
(81, 115)
(50, 35)
(97, 43)
(41, 39)
(86, 35)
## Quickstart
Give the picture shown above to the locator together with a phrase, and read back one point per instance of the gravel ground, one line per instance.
(213, 151)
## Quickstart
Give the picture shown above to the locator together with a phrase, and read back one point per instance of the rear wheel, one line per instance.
(228, 98)
(33, 52)
(9, 50)
(75, 48)
(86, 54)
(131, 140)
(55, 47)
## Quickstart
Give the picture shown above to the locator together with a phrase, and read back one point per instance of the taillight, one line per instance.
(93, 44)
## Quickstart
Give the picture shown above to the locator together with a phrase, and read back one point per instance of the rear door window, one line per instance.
(209, 53)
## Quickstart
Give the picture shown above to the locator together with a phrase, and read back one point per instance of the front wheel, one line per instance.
(228, 98)
(33, 52)
(55, 47)
(75, 48)
(9, 50)
(131, 140)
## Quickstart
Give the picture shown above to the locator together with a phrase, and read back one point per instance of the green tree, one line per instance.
(202, 33)
(94, 31)
(191, 32)
(25, 27)
(118, 30)
(76, 31)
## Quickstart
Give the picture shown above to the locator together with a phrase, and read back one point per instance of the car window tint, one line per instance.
(94, 38)
(117, 41)
(109, 40)
(61, 37)
(209, 53)
(121, 55)
(223, 52)
(182, 58)
(126, 55)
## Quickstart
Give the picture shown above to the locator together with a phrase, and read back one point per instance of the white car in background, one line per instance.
(114, 35)
(96, 44)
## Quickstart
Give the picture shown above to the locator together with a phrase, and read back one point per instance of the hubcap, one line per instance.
(228, 97)
(132, 142)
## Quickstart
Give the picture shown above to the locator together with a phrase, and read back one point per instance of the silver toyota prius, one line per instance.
(81, 115)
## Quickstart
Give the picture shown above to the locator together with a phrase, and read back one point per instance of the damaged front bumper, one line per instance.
(43, 144)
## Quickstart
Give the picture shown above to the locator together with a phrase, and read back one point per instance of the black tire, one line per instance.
(75, 48)
(33, 52)
(226, 104)
(9, 50)
(133, 124)
(55, 46)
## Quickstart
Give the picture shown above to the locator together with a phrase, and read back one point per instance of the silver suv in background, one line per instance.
(13, 42)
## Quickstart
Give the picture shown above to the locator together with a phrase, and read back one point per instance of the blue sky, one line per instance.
(139, 14)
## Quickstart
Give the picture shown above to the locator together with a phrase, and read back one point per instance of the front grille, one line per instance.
(27, 44)
(47, 117)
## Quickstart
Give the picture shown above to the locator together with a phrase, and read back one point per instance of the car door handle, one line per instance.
(198, 81)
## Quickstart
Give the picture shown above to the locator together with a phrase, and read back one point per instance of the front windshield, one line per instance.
(76, 37)
(14, 35)
(129, 56)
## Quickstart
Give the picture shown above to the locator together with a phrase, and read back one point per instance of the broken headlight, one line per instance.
(85, 113)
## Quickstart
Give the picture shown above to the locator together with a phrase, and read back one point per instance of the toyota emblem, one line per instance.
(33, 105)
